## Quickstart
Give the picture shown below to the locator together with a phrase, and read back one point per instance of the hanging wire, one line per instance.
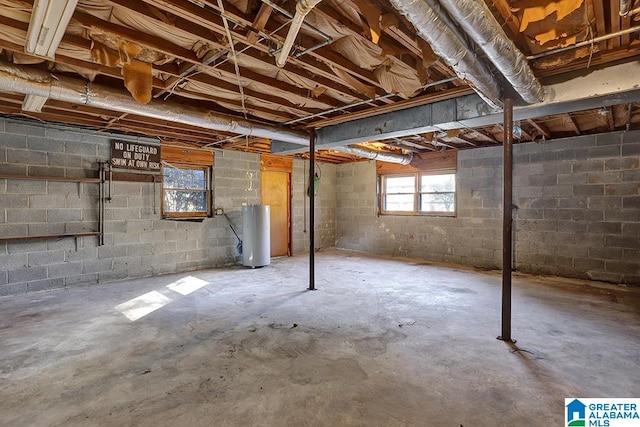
(235, 59)
(591, 35)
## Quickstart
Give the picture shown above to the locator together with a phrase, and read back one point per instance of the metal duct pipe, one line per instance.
(403, 159)
(303, 7)
(35, 82)
(475, 18)
(428, 21)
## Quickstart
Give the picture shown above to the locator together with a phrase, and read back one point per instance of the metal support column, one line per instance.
(312, 199)
(507, 220)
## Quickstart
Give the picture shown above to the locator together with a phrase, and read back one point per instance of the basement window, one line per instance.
(185, 191)
(418, 193)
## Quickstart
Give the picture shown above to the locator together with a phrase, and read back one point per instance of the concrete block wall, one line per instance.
(137, 241)
(325, 207)
(578, 210)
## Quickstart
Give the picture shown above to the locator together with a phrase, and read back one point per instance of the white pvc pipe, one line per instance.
(303, 7)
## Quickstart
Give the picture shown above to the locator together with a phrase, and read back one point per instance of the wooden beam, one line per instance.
(259, 22)
(210, 21)
(572, 123)
(544, 132)
(601, 29)
(610, 119)
(615, 22)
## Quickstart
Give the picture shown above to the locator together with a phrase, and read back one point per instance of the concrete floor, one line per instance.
(383, 342)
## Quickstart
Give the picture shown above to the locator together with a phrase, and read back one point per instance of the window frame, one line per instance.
(417, 193)
(207, 191)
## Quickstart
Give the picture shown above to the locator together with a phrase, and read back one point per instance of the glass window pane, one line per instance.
(438, 183)
(442, 202)
(185, 201)
(399, 202)
(400, 184)
(184, 178)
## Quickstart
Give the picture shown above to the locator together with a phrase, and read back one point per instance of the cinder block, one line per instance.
(622, 163)
(606, 202)
(548, 156)
(603, 276)
(37, 143)
(619, 241)
(630, 255)
(127, 188)
(164, 247)
(26, 157)
(112, 276)
(544, 203)
(122, 214)
(13, 230)
(578, 227)
(13, 141)
(12, 289)
(127, 263)
(15, 201)
(558, 191)
(45, 258)
(84, 279)
(605, 227)
(590, 165)
(631, 176)
(558, 214)
(622, 215)
(64, 215)
(604, 177)
(631, 202)
(12, 169)
(26, 215)
(13, 261)
(82, 254)
(27, 274)
(631, 149)
(622, 267)
(47, 201)
(605, 253)
(613, 138)
(609, 151)
(631, 228)
(623, 189)
(22, 128)
(572, 203)
(64, 160)
(587, 215)
(96, 266)
(579, 143)
(64, 270)
(88, 150)
(588, 190)
(139, 249)
(572, 155)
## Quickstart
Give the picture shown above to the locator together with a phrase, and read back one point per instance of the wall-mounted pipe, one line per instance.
(588, 42)
(27, 81)
(303, 7)
(427, 18)
(403, 159)
(475, 18)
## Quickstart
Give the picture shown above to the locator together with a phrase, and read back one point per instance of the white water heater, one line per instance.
(256, 236)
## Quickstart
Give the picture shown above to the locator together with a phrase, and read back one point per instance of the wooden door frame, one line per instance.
(269, 163)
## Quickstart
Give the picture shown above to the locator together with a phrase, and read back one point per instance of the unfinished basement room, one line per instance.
(320, 213)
